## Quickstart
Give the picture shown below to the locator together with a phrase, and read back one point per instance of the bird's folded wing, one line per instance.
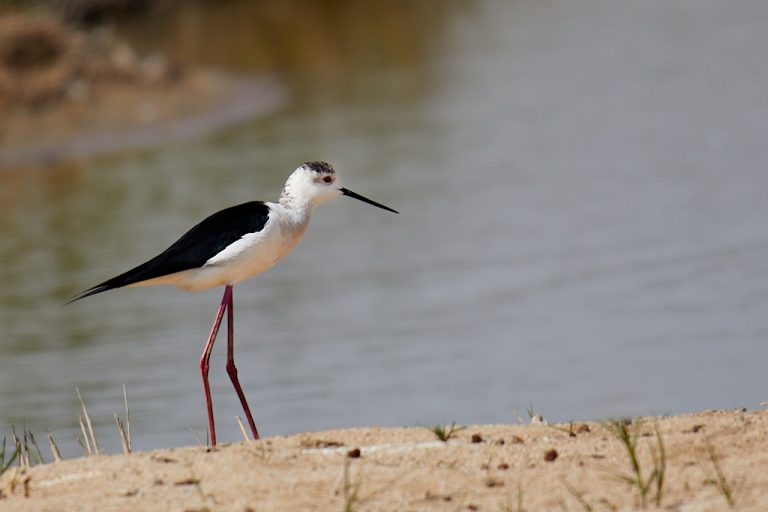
(195, 247)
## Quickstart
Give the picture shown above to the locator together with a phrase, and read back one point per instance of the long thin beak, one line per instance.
(349, 193)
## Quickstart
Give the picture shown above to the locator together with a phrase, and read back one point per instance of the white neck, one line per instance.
(294, 203)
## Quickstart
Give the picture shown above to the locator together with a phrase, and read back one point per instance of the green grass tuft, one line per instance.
(654, 481)
(444, 432)
(717, 479)
(4, 465)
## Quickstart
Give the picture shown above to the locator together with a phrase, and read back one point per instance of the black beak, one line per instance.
(349, 193)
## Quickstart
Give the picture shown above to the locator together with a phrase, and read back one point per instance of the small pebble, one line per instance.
(493, 482)
(187, 481)
(550, 455)
(477, 438)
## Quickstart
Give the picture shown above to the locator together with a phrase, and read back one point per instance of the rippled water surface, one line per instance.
(584, 227)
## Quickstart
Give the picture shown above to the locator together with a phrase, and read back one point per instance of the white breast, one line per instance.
(252, 254)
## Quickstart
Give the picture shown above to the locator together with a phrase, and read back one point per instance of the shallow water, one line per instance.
(583, 228)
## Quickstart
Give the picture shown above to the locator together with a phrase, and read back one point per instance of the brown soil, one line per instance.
(485, 467)
(66, 92)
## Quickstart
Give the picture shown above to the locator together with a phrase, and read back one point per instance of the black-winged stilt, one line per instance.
(231, 246)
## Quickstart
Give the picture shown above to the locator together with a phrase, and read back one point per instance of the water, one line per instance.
(583, 228)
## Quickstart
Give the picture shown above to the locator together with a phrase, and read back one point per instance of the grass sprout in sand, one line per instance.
(445, 432)
(630, 440)
(717, 479)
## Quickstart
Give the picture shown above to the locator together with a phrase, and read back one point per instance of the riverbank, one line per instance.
(67, 92)
(709, 460)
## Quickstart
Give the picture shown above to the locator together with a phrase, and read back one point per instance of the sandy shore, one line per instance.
(483, 467)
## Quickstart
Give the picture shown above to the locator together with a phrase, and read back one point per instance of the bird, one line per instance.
(230, 246)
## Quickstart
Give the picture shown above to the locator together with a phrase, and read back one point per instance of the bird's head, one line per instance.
(314, 183)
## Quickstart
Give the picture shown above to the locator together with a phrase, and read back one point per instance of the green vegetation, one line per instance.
(444, 433)
(644, 484)
(717, 479)
(3, 464)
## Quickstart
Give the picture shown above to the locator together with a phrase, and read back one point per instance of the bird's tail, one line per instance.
(135, 275)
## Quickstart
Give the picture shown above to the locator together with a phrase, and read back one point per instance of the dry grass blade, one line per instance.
(242, 428)
(54, 448)
(88, 422)
(507, 507)
(578, 496)
(351, 490)
(194, 434)
(121, 431)
(127, 420)
(80, 442)
(34, 443)
(124, 429)
(520, 507)
(23, 462)
(87, 445)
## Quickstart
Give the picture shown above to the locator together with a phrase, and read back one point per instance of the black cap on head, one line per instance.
(320, 167)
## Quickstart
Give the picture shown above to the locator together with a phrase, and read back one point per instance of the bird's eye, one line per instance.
(327, 179)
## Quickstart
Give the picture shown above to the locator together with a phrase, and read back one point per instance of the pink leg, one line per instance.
(205, 358)
(232, 371)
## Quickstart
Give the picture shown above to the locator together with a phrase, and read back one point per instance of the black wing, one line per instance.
(197, 246)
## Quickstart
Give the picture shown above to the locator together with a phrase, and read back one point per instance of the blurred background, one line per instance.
(582, 188)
